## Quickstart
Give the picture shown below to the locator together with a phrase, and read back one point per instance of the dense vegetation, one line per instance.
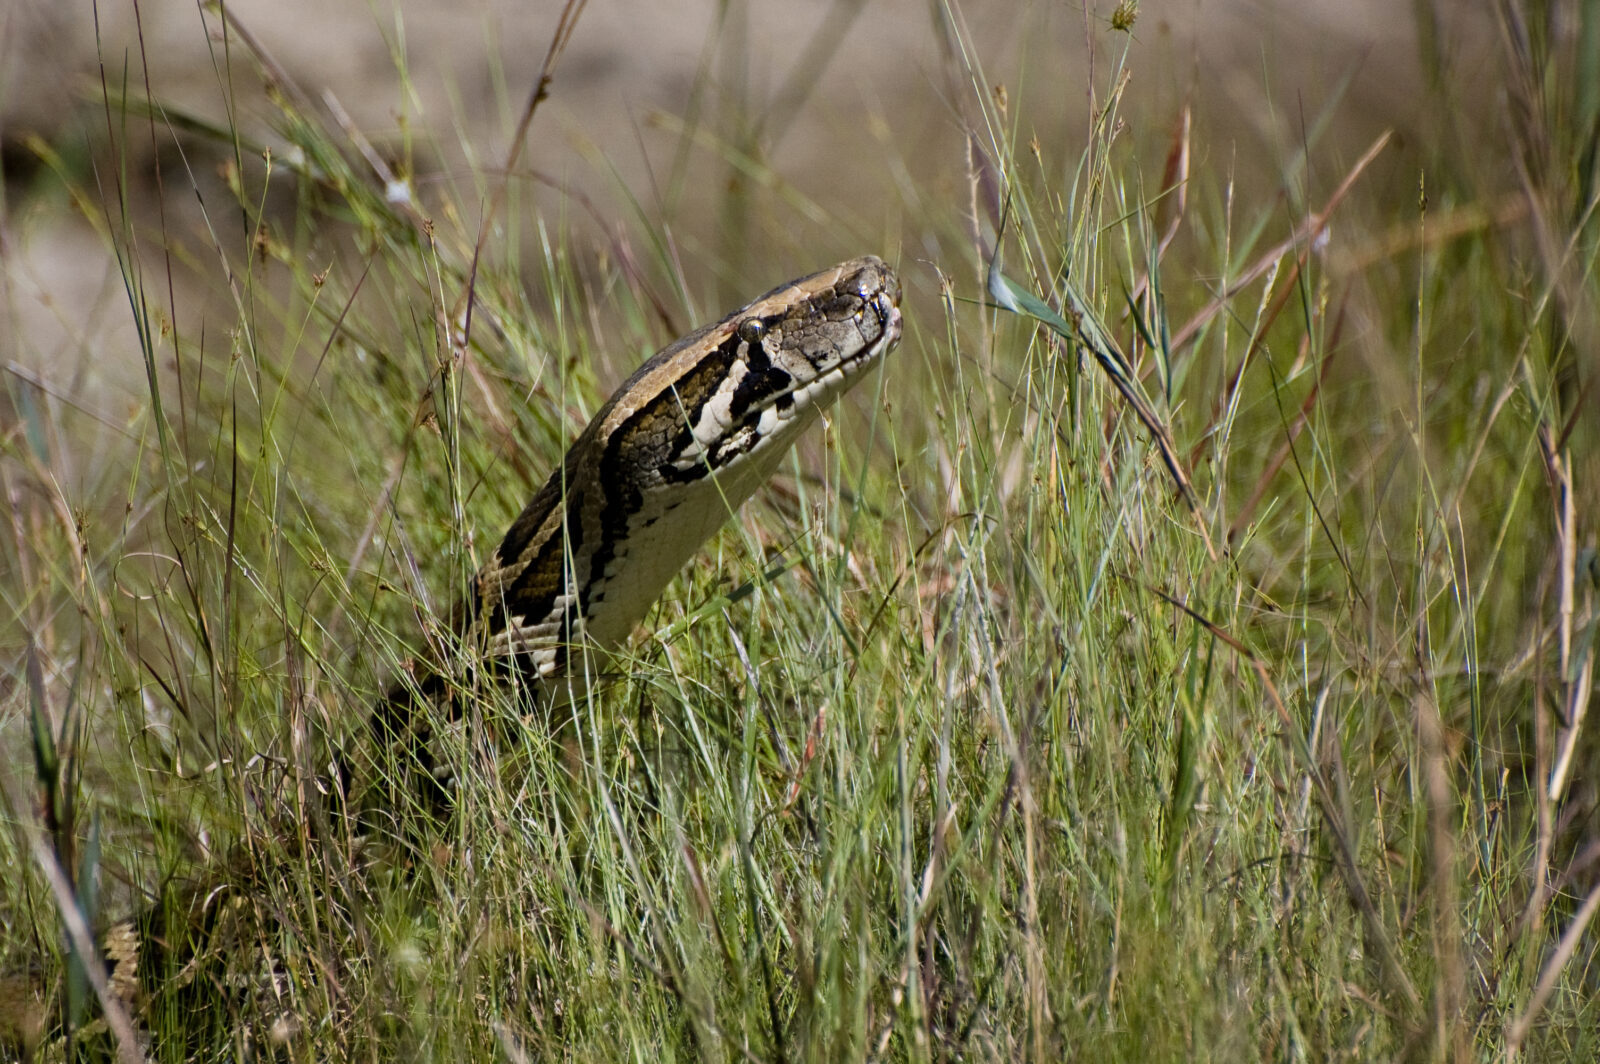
(981, 734)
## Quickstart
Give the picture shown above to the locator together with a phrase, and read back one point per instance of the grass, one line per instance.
(970, 738)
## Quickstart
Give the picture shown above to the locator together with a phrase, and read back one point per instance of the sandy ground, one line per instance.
(885, 116)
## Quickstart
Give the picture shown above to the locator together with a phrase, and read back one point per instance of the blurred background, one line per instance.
(851, 116)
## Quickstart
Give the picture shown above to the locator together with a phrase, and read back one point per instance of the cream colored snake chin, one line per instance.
(665, 462)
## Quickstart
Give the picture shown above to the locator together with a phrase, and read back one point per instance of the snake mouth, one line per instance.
(843, 334)
(868, 291)
(878, 286)
(890, 322)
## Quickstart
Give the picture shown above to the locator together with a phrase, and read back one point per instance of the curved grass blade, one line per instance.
(1080, 327)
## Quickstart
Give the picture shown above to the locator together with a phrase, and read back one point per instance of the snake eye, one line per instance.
(751, 330)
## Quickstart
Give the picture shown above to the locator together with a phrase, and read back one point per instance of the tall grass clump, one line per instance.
(1181, 649)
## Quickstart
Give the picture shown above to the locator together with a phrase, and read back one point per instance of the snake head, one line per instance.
(785, 357)
(840, 320)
